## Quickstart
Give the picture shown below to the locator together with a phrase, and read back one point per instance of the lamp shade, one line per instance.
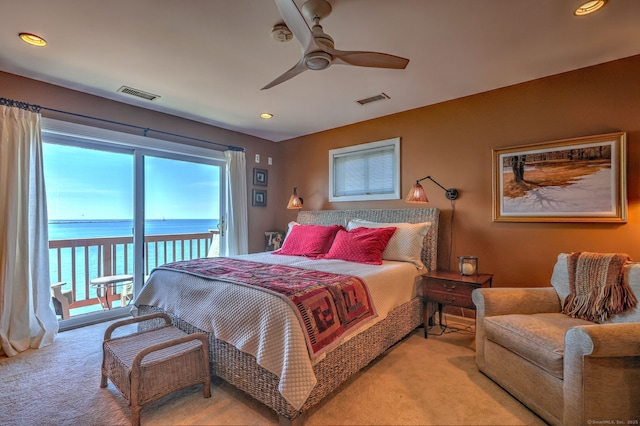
(295, 202)
(417, 194)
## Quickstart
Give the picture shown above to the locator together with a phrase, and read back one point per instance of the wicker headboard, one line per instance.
(342, 217)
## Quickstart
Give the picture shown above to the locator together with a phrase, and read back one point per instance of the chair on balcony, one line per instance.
(61, 299)
(126, 294)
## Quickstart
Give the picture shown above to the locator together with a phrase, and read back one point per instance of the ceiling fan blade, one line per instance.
(297, 24)
(367, 59)
(295, 70)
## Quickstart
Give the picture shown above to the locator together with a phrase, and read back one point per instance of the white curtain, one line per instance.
(237, 232)
(27, 319)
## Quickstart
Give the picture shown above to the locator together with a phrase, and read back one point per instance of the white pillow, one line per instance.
(406, 243)
(289, 226)
(560, 282)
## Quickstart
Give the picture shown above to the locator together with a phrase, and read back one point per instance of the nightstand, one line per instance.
(449, 288)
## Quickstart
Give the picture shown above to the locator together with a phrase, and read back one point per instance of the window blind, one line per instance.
(365, 172)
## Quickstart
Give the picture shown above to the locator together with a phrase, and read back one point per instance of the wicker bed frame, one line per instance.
(241, 369)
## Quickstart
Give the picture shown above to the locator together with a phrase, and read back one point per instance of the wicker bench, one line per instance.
(148, 365)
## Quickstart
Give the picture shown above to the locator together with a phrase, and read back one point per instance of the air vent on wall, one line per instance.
(139, 93)
(375, 98)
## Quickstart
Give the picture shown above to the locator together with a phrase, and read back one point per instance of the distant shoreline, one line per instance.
(61, 221)
(64, 229)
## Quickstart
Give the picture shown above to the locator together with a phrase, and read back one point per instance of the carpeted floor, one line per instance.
(417, 382)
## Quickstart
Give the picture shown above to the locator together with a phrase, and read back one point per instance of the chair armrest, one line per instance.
(503, 301)
(115, 325)
(602, 373)
(55, 286)
(136, 368)
(137, 361)
(604, 340)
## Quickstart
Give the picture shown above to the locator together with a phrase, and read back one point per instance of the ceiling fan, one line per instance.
(318, 51)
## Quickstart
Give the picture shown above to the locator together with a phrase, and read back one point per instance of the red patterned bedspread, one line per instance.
(326, 304)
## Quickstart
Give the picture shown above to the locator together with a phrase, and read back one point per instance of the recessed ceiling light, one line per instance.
(589, 7)
(33, 39)
(266, 115)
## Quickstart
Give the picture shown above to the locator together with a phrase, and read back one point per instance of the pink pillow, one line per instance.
(362, 245)
(309, 240)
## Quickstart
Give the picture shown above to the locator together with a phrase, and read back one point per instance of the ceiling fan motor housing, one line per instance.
(316, 9)
(322, 37)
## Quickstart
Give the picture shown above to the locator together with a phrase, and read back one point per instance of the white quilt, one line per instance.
(270, 330)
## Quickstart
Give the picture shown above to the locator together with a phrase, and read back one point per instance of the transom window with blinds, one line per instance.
(369, 171)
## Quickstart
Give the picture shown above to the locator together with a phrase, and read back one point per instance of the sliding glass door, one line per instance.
(90, 209)
(118, 209)
(182, 200)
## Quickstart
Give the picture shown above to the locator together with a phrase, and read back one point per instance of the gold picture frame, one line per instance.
(570, 180)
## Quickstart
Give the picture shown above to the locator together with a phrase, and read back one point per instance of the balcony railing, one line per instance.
(77, 261)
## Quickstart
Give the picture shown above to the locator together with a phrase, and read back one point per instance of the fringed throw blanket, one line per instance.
(326, 304)
(597, 288)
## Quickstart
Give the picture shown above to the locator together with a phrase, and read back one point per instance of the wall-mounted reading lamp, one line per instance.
(417, 194)
(295, 202)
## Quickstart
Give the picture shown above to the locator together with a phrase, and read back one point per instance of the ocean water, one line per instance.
(156, 254)
(73, 229)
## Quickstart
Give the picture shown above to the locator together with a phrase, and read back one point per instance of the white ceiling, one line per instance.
(208, 59)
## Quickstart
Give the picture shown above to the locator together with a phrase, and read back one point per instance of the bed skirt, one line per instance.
(241, 370)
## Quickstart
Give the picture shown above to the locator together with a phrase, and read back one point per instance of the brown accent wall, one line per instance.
(260, 218)
(453, 143)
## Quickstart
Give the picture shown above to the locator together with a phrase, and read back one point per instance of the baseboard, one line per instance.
(452, 324)
(461, 320)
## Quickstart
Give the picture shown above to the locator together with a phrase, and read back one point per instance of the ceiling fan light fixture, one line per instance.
(589, 7)
(33, 39)
(317, 60)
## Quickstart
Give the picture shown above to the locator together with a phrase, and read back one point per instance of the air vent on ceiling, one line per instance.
(139, 93)
(375, 98)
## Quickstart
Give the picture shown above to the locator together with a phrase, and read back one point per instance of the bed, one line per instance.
(291, 381)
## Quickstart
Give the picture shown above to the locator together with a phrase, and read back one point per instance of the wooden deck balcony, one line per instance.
(77, 261)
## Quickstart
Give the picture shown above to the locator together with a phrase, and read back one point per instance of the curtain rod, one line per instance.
(38, 108)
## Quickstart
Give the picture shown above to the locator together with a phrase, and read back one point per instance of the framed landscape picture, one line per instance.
(571, 180)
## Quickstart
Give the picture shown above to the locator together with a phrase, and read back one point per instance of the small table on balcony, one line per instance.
(104, 284)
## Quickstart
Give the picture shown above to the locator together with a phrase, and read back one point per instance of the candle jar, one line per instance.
(468, 265)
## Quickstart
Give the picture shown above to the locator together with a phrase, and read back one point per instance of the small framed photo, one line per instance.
(259, 198)
(260, 177)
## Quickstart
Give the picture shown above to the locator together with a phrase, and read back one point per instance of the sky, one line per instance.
(91, 184)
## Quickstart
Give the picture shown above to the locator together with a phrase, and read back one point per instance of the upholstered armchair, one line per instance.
(567, 370)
